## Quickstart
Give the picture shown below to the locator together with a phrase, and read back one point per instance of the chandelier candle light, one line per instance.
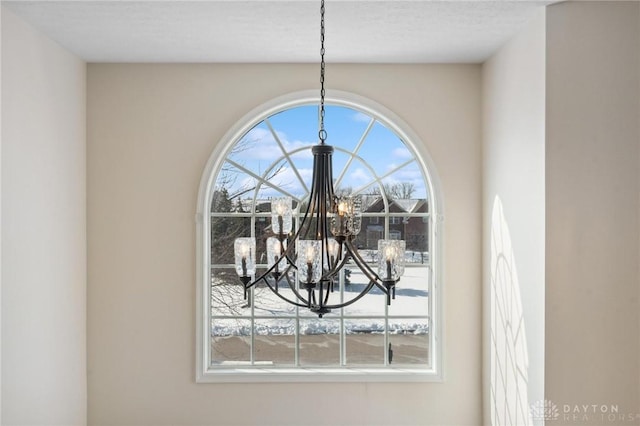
(309, 261)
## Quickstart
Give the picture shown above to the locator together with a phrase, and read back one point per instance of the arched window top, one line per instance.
(302, 106)
(268, 155)
(274, 159)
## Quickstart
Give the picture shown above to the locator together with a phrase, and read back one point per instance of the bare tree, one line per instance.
(402, 190)
(396, 191)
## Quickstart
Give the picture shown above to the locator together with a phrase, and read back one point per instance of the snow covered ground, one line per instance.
(274, 316)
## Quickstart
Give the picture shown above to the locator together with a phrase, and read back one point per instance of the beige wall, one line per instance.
(151, 129)
(592, 194)
(513, 100)
(43, 230)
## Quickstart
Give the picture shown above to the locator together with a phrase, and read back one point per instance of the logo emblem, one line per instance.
(544, 410)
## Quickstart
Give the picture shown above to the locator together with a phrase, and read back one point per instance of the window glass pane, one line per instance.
(405, 182)
(339, 161)
(416, 234)
(227, 294)
(292, 126)
(224, 231)
(412, 293)
(274, 342)
(319, 342)
(409, 339)
(231, 184)
(280, 181)
(364, 341)
(256, 147)
(371, 304)
(262, 232)
(357, 177)
(367, 240)
(381, 170)
(382, 139)
(231, 341)
(413, 229)
(345, 126)
(269, 304)
(303, 159)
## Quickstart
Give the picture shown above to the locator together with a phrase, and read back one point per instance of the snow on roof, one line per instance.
(408, 205)
(368, 200)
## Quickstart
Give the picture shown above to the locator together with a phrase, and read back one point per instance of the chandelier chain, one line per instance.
(322, 134)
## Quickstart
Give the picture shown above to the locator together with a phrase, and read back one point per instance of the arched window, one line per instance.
(267, 156)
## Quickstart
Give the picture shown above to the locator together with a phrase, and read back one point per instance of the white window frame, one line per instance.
(204, 372)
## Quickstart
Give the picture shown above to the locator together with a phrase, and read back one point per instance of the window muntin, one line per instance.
(243, 336)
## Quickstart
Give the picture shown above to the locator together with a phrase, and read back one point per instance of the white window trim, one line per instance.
(206, 374)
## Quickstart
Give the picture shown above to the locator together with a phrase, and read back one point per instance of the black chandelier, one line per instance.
(309, 261)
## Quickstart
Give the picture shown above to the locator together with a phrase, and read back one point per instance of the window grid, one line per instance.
(337, 315)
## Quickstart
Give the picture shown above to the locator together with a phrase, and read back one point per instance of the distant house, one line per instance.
(402, 226)
(414, 230)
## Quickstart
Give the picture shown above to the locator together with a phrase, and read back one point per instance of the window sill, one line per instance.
(275, 375)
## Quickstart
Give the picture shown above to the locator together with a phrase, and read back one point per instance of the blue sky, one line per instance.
(297, 130)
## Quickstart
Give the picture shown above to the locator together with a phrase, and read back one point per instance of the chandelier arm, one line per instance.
(375, 279)
(263, 276)
(286, 299)
(328, 292)
(329, 181)
(362, 265)
(326, 203)
(296, 292)
(285, 274)
(363, 293)
(320, 294)
(290, 253)
(340, 250)
(332, 273)
(328, 199)
(303, 225)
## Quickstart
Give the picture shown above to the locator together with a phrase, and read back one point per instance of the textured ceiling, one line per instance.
(278, 31)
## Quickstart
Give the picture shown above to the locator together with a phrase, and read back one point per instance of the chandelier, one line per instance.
(308, 260)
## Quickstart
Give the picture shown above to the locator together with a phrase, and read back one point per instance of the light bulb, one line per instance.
(244, 250)
(245, 256)
(281, 215)
(390, 252)
(310, 253)
(333, 247)
(343, 208)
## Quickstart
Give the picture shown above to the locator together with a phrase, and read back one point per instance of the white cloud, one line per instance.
(410, 174)
(391, 166)
(402, 152)
(287, 180)
(259, 144)
(361, 117)
(360, 175)
(291, 146)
